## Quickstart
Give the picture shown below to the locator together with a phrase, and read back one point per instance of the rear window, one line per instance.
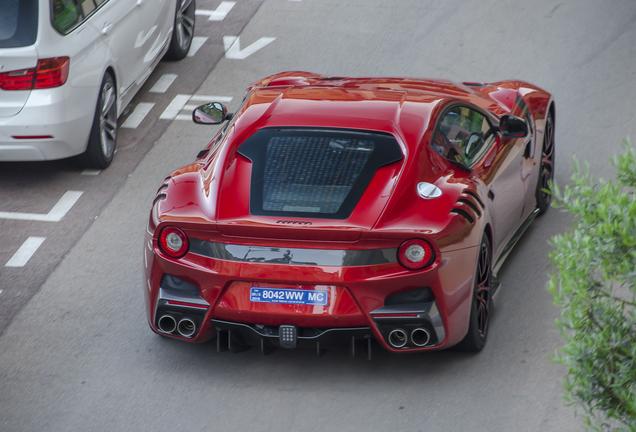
(314, 173)
(18, 23)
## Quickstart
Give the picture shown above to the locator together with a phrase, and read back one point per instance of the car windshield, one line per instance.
(18, 23)
(314, 173)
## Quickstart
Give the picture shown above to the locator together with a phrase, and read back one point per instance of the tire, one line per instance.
(481, 303)
(546, 171)
(182, 30)
(103, 137)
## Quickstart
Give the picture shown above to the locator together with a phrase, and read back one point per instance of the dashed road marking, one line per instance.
(232, 46)
(197, 42)
(180, 103)
(26, 251)
(205, 98)
(163, 83)
(175, 106)
(56, 214)
(220, 13)
(138, 115)
(91, 172)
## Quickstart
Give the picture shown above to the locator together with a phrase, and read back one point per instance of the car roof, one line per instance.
(405, 105)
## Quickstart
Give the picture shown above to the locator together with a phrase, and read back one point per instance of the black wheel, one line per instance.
(546, 172)
(103, 137)
(182, 31)
(481, 305)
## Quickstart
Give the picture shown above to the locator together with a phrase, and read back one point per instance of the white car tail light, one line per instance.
(49, 73)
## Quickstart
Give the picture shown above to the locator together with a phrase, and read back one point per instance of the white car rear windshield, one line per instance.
(18, 23)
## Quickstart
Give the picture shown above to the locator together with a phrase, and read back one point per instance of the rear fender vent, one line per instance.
(463, 213)
(475, 197)
(469, 206)
(158, 198)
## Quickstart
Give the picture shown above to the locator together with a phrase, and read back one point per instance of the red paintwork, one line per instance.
(209, 199)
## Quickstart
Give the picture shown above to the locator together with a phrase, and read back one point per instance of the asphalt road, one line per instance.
(36, 187)
(79, 355)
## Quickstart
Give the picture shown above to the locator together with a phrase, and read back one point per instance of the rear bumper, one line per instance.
(356, 310)
(64, 115)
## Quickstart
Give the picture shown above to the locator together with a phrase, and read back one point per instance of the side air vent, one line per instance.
(474, 195)
(159, 197)
(469, 206)
(162, 187)
(202, 153)
(474, 84)
(463, 213)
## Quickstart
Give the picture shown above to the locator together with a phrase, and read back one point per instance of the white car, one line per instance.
(68, 68)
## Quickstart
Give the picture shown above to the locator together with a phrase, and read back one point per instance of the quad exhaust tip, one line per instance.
(420, 337)
(186, 327)
(167, 324)
(398, 338)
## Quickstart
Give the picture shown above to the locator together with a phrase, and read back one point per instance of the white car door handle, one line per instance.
(107, 28)
(140, 2)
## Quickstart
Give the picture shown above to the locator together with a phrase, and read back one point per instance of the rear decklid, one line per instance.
(18, 33)
(320, 177)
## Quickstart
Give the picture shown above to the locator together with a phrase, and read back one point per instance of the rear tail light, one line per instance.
(173, 242)
(49, 73)
(415, 254)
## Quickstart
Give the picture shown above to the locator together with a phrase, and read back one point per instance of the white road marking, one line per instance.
(26, 251)
(180, 103)
(91, 172)
(55, 215)
(138, 115)
(220, 13)
(163, 83)
(204, 98)
(232, 46)
(197, 42)
(175, 107)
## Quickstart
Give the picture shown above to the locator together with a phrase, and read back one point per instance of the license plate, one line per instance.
(289, 296)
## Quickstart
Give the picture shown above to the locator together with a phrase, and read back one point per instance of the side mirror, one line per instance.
(512, 127)
(211, 113)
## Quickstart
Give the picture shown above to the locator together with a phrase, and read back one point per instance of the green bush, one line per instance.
(595, 285)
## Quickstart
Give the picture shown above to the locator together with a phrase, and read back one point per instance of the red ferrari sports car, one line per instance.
(329, 212)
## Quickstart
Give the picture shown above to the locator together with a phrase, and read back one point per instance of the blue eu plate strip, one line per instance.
(289, 296)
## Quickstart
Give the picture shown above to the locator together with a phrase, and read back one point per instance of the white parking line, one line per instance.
(180, 103)
(204, 98)
(175, 106)
(197, 42)
(232, 46)
(138, 115)
(55, 215)
(163, 83)
(91, 172)
(219, 14)
(26, 251)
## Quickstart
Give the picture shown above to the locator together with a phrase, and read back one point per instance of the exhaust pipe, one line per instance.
(420, 337)
(167, 324)
(186, 327)
(397, 338)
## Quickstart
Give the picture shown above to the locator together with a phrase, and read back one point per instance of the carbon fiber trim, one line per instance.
(293, 256)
